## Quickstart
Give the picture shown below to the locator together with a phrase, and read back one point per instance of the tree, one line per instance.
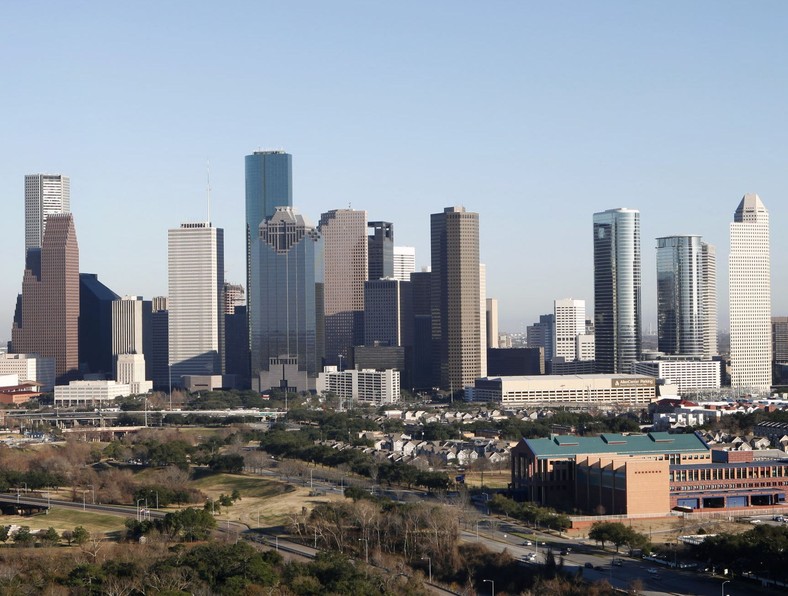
(80, 535)
(23, 536)
(49, 537)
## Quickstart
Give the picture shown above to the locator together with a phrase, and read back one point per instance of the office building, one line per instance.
(570, 322)
(90, 393)
(750, 298)
(456, 302)
(159, 358)
(687, 374)
(47, 318)
(284, 351)
(233, 296)
(344, 238)
(30, 368)
(95, 327)
(269, 184)
(131, 371)
(131, 330)
(542, 335)
(491, 314)
(421, 369)
(686, 296)
(45, 195)
(196, 317)
(380, 249)
(510, 362)
(617, 289)
(482, 320)
(236, 347)
(404, 262)
(388, 312)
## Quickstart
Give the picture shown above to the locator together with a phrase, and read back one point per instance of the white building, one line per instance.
(89, 393)
(483, 319)
(492, 323)
(196, 285)
(686, 373)
(45, 194)
(131, 372)
(576, 390)
(570, 321)
(30, 367)
(585, 347)
(750, 297)
(365, 387)
(404, 262)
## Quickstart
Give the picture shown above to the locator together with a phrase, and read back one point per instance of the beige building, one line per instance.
(456, 298)
(345, 269)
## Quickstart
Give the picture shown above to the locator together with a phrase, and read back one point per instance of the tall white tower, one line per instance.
(570, 321)
(196, 287)
(45, 194)
(404, 262)
(750, 296)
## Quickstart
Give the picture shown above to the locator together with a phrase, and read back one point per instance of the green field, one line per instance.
(68, 519)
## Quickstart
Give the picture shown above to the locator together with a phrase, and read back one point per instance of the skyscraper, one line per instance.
(617, 289)
(456, 300)
(388, 312)
(286, 252)
(45, 194)
(380, 249)
(491, 314)
(344, 237)
(404, 262)
(95, 326)
(570, 321)
(131, 331)
(750, 297)
(196, 305)
(686, 296)
(269, 184)
(47, 321)
(160, 343)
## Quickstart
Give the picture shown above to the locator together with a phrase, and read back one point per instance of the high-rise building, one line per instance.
(286, 254)
(45, 194)
(421, 370)
(456, 300)
(617, 289)
(196, 316)
(542, 334)
(388, 312)
(750, 297)
(404, 262)
(344, 237)
(95, 326)
(685, 299)
(269, 184)
(131, 332)
(47, 322)
(491, 314)
(709, 283)
(380, 249)
(482, 320)
(233, 296)
(160, 343)
(780, 339)
(570, 321)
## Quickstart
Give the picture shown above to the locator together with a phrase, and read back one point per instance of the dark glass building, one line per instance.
(381, 249)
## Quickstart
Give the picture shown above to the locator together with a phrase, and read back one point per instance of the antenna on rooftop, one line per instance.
(208, 174)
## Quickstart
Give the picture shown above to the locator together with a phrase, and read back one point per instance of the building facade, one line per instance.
(95, 326)
(361, 387)
(688, 374)
(686, 296)
(542, 334)
(455, 298)
(345, 268)
(404, 258)
(570, 322)
(131, 329)
(89, 393)
(617, 289)
(380, 249)
(45, 195)
(388, 312)
(30, 367)
(491, 314)
(750, 298)
(196, 282)
(284, 330)
(47, 319)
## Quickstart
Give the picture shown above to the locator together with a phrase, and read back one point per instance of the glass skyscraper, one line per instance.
(617, 289)
(269, 184)
(686, 296)
(285, 253)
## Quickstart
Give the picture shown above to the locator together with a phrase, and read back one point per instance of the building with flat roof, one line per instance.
(30, 368)
(564, 390)
(404, 262)
(365, 387)
(89, 393)
(688, 374)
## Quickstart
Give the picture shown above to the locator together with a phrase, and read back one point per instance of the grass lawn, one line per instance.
(492, 478)
(68, 519)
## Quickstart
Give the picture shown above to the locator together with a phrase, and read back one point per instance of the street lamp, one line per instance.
(722, 589)
(429, 563)
(139, 517)
(492, 586)
(366, 549)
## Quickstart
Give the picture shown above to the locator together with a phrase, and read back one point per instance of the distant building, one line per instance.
(570, 322)
(491, 314)
(196, 305)
(388, 312)
(45, 195)
(131, 330)
(361, 387)
(160, 343)
(507, 362)
(542, 334)
(380, 249)
(47, 318)
(617, 288)
(404, 262)
(30, 367)
(89, 393)
(233, 296)
(688, 374)
(95, 326)
(421, 368)
(131, 372)
(750, 297)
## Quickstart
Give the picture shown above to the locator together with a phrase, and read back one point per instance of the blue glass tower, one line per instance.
(285, 254)
(269, 184)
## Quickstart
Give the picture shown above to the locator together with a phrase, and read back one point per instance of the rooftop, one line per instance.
(651, 443)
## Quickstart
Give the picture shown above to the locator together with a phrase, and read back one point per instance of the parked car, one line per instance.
(617, 562)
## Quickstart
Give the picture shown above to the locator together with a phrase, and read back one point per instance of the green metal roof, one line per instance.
(653, 442)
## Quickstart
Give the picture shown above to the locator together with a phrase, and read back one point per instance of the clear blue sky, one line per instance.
(533, 114)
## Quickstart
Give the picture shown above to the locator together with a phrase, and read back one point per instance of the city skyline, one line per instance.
(595, 107)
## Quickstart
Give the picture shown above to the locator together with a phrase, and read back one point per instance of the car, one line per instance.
(653, 571)
(564, 552)
(527, 543)
(756, 521)
(617, 563)
(588, 565)
(779, 518)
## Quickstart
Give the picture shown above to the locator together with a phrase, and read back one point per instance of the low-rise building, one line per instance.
(89, 393)
(30, 368)
(687, 373)
(369, 387)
